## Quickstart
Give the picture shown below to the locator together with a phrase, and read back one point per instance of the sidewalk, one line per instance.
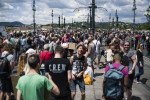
(94, 92)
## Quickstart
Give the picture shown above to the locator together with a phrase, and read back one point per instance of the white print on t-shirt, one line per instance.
(57, 68)
(77, 67)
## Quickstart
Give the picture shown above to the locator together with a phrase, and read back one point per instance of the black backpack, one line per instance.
(4, 67)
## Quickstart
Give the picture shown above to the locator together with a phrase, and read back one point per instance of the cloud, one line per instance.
(6, 6)
(21, 10)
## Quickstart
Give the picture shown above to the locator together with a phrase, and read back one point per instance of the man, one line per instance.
(8, 41)
(97, 51)
(91, 53)
(107, 91)
(6, 84)
(33, 85)
(60, 70)
(131, 70)
(79, 65)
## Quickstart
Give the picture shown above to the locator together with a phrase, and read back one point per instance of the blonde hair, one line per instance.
(21, 63)
(138, 46)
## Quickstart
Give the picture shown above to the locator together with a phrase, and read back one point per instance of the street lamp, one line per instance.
(34, 9)
(52, 17)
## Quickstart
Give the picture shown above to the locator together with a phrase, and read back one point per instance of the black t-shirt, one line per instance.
(139, 55)
(29, 41)
(57, 68)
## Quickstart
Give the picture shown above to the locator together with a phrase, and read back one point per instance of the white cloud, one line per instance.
(21, 10)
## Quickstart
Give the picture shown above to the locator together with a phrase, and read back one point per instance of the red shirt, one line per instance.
(47, 55)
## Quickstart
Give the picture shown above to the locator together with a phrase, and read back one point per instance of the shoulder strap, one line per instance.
(111, 66)
(6, 55)
(121, 68)
(44, 56)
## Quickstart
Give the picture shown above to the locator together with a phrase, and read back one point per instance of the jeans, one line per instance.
(80, 82)
(141, 71)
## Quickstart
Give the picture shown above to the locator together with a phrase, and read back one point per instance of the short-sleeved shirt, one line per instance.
(130, 54)
(32, 86)
(116, 66)
(58, 69)
(46, 55)
(10, 57)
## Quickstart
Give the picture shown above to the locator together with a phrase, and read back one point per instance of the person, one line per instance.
(46, 55)
(110, 53)
(89, 71)
(140, 62)
(131, 70)
(6, 84)
(97, 51)
(8, 41)
(71, 40)
(52, 45)
(90, 53)
(79, 65)
(33, 85)
(21, 64)
(143, 39)
(61, 72)
(115, 65)
(65, 45)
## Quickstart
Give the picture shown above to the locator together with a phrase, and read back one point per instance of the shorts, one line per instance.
(60, 98)
(6, 85)
(80, 82)
(90, 62)
(97, 55)
(130, 80)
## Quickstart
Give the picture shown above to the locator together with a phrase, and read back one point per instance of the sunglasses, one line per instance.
(126, 45)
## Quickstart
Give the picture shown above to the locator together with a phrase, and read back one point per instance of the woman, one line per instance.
(140, 62)
(6, 84)
(21, 64)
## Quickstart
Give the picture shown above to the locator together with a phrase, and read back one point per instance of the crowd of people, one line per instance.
(45, 63)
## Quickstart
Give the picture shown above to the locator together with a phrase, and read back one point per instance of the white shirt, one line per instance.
(109, 54)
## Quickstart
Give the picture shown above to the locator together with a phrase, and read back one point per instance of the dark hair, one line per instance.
(59, 49)
(9, 48)
(33, 46)
(33, 60)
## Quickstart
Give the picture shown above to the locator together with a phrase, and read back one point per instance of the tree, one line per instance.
(147, 15)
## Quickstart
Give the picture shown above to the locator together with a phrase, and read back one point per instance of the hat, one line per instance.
(80, 45)
(46, 46)
(30, 51)
(37, 36)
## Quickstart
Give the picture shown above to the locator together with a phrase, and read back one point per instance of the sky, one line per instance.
(21, 10)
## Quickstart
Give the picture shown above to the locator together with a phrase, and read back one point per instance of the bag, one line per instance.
(114, 83)
(52, 49)
(4, 67)
(88, 80)
(42, 68)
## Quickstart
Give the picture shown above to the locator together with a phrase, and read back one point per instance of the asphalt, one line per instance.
(94, 91)
(140, 91)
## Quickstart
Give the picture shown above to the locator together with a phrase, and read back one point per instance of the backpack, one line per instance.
(51, 49)
(4, 67)
(114, 83)
(88, 80)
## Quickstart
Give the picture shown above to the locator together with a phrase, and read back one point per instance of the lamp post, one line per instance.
(52, 17)
(34, 9)
(59, 21)
(64, 22)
